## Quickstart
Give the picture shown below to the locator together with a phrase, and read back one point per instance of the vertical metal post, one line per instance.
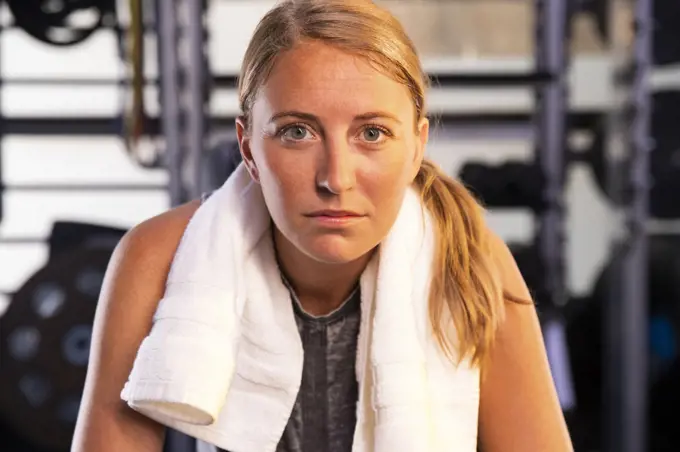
(184, 93)
(626, 360)
(2, 140)
(551, 114)
(171, 117)
(552, 18)
(196, 93)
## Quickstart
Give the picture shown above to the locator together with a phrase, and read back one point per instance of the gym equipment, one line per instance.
(44, 342)
(45, 337)
(666, 40)
(666, 45)
(521, 184)
(584, 321)
(70, 235)
(664, 161)
(665, 156)
(509, 185)
(48, 21)
(518, 184)
(585, 343)
(185, 94)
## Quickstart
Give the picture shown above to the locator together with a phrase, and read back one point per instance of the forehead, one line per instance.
(318, 78)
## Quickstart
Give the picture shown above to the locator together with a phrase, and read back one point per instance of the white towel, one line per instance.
(223, 361)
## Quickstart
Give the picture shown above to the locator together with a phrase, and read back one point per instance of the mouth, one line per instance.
(335, 218)
(334, 214)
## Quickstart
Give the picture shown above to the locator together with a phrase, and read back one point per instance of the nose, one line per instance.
(337, 171)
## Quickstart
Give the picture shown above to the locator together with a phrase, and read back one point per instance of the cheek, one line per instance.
(384, 179)
(387, 200)
(384, 185)
(284, 177)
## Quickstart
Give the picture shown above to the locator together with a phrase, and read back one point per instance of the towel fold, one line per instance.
(223, 361)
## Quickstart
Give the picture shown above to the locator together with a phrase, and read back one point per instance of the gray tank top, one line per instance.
(324, 415)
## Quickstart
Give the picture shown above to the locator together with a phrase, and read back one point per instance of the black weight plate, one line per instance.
(44, 345)
(40, 18)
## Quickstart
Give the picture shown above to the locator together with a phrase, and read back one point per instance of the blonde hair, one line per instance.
(465, 280)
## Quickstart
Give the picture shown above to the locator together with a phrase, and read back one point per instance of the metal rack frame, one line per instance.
(184, 93)
(625, 320)
(551, 23)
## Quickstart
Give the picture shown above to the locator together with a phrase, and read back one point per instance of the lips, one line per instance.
(335, 214)
(336, 219)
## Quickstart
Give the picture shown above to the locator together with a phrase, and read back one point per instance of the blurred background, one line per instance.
(561, 115)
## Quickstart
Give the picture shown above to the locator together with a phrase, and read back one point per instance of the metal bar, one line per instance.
(2, 135)
(166, 18)
(507, 80)
(22, 240)
(626, 359)
(82, 187)
(112, 125)
(500, 80)
(88, 125)
(551, 20)
(195, 67)
(230, 81)
(42, 81)
(577, 120)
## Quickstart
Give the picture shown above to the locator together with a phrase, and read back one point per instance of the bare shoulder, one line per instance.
(142, 258)
(506, 266)
(133, 285)
(519, 408)
(157, 238)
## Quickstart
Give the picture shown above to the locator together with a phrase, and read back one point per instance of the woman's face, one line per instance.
(333, 145)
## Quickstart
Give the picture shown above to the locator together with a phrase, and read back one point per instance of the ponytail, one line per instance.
(464, 278)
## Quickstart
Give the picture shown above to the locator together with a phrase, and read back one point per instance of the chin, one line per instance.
(334, 250)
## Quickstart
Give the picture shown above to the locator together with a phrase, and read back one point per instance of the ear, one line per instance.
(423, 130)
(243, 137)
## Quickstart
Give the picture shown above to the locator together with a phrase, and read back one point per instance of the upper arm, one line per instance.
(519, 408)
(133, 285)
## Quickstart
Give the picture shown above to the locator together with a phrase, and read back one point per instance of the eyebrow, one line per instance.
(311, 117)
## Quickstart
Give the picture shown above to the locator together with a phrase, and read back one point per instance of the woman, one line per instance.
(334, 130)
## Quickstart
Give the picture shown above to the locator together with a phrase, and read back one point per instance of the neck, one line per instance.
(319, 286)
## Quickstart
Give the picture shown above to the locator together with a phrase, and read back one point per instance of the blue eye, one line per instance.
(372, 134)
(295, 133)
(375, 134)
